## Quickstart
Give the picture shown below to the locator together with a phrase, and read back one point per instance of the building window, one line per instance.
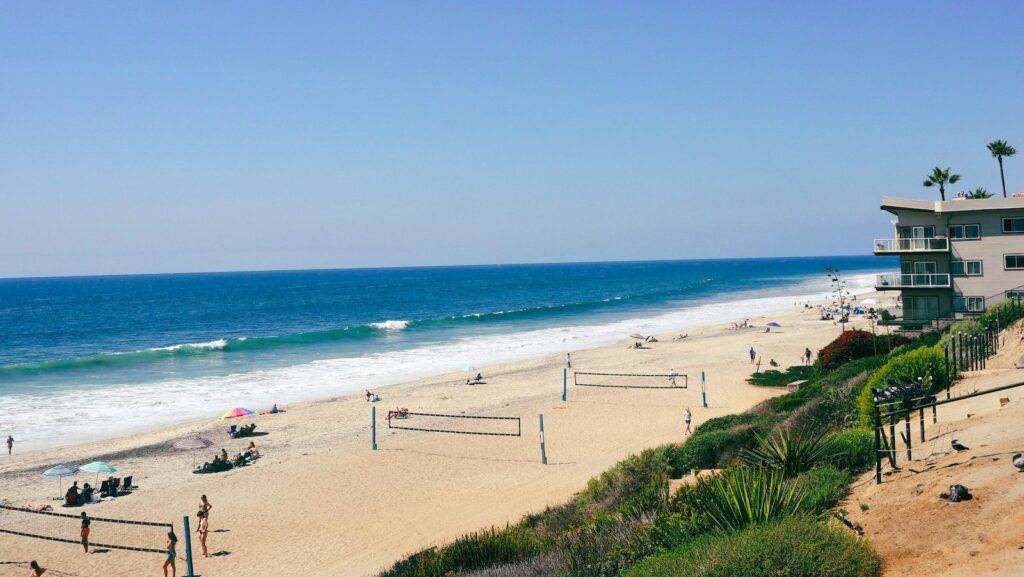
(1015, 224)
(969, 304)
(965, 267)
(1015, 295)
(1013, 261)
(965, 231)
(915, 232)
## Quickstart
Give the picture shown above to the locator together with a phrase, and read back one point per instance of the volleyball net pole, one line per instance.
(373, 428)
(543, 451)
(188, 547)
(565, 382)
(703, 390)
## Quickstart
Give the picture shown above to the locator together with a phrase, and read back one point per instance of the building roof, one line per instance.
(893, 204)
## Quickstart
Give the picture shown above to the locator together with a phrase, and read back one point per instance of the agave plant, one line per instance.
(790, 455)
(742, 496)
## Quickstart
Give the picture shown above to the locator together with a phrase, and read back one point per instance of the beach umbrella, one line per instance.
(59, 472)
(774, 324)
(869, 301)
(236, 412)
(636, 336)
(98, 467)
(192, 444)
(469, 369)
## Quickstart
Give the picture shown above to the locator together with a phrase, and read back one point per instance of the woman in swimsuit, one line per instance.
(172, 541)
(204, 530)
(205, 506)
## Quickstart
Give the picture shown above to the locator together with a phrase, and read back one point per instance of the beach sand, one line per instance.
(321, 502)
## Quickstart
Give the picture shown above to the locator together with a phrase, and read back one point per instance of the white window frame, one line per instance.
(1020, 261)
(1020, 218)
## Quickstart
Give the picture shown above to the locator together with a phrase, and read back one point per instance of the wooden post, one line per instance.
(543, 450)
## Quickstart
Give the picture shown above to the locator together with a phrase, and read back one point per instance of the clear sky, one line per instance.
(197, 136)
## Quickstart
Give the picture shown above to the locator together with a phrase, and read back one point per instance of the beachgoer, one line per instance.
(274, 410)
(369, 395)
(204, 530)
(753, 355)
(252, 450)
(10, 444)
(672, 374)
(568, 360)
(85, 531)
(205, 506)
(37, 571)
(479, 377)
(807, 356)
(71, 497)
(687, 416)
(223, 454)
(172, 542)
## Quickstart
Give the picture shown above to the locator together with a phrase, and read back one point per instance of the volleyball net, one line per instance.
(631, 380)
(104, 532)
(457, 424)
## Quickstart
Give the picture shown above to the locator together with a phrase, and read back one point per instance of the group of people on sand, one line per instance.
(221, 462)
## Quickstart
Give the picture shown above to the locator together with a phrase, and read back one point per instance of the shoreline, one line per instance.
(324, 379)
(419, 489)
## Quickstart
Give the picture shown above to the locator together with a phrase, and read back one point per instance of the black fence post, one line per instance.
(878, 444)
(909, 439)
(892, 441)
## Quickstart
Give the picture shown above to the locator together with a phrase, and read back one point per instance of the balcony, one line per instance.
(896, 281)
(910, 245)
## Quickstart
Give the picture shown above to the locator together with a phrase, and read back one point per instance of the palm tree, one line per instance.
(941, 178)
(999, 149)
(978, 193)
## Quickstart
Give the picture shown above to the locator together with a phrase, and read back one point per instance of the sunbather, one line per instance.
(252, 450)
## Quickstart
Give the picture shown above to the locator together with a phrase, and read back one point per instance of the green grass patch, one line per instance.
(773, 378)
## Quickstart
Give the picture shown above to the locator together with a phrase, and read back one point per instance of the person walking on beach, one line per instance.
(753, 355)
(10, 444)
(568, 360)
(172, 542)
(687, 416)
(672, 374)
(204, 530)
(807, 356)
(86, 521)
(37, 571)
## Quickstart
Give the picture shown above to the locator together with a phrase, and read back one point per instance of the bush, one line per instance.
(854, 450)
(637, 483)
(788, 454)
(485, 548)
(710, 449)
(773, 378)
(606, 546)
(916, 364)
(823, 487)
(794, 547)
(968, 327)
(741, 496)
(855, 344)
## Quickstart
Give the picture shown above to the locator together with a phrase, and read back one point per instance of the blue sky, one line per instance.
(145, 137)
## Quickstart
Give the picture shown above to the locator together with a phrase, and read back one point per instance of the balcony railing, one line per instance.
(892, 281)
(897, 245)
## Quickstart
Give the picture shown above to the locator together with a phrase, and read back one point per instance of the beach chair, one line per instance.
(233, 430)
(127, 484)
(105, 489)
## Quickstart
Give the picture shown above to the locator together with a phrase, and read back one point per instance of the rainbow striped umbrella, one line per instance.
(236, 412)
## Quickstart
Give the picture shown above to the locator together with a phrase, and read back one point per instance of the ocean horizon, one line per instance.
(89, 357)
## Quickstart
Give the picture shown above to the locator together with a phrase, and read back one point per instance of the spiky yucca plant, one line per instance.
(788, 454)
(741, 496)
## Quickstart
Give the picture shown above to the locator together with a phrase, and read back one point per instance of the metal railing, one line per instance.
(897, 280)
(886, 245)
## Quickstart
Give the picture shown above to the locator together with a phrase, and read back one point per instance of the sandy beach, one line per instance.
(321, 502)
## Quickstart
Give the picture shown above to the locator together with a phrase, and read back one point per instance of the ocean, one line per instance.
(90, 357)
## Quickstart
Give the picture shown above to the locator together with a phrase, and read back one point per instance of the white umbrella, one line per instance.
(870, 301)
(59, 472)
(98, 467)
(192, 444)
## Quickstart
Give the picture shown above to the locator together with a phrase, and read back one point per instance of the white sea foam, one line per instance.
(211, 345)
(391, 325)
(53, 418)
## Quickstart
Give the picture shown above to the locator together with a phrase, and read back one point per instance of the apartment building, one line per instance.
(957, 257)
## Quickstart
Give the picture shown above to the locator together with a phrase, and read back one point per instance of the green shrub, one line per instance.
(727, 422)
(854, 450)
(740, 496)
(773, 378)
(712, 449)
(794, 547)
(916, 364)
(637, 483)
(968, 327)
(485, 548)
(823, 487)
(606, 546)
(787, 453)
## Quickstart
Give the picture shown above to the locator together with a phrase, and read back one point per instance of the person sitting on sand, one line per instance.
(479, 378)
(223, 454)
(37, 571)
(369, 395)
(275, 410)
(71, 497)
(252, 450)
(773, 363)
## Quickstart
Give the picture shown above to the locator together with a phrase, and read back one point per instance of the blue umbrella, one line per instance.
(774, 324)
(98, 467)
(59, 472)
